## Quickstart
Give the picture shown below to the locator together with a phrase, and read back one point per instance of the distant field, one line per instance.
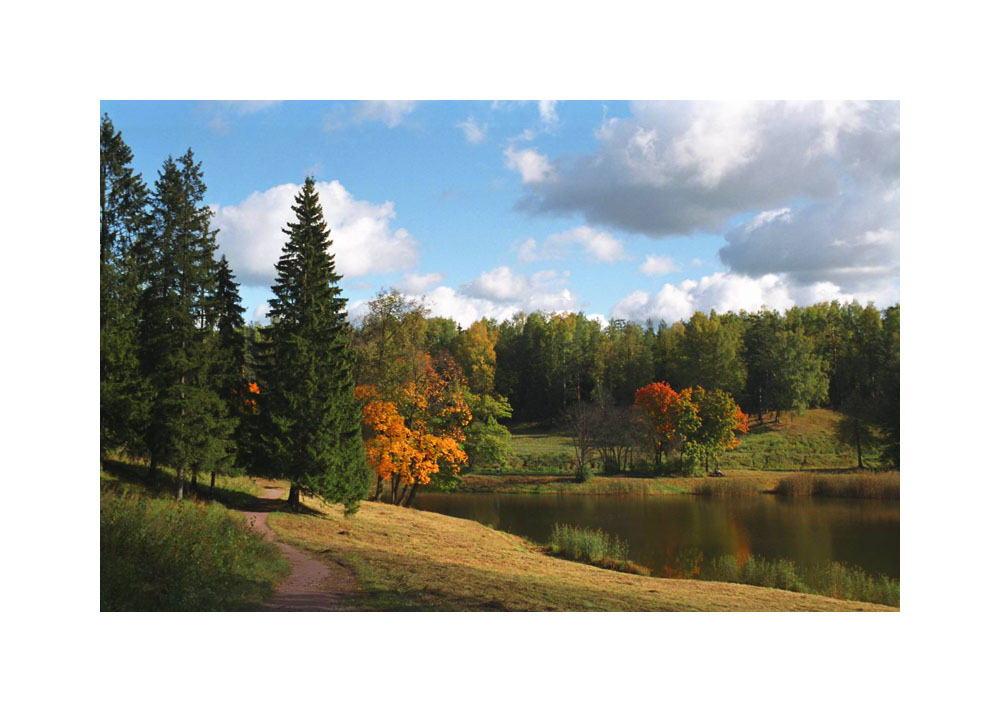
(798, 443)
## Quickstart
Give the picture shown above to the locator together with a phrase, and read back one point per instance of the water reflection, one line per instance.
(675, 536)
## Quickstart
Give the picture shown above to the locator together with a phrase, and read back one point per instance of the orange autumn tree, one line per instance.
(670, 416)
(413, 436)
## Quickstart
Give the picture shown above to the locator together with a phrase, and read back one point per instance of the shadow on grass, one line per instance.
(158, 483)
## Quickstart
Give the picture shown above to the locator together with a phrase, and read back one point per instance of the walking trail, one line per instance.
(313, 584)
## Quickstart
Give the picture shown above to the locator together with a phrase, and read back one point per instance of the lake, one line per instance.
(669, 533)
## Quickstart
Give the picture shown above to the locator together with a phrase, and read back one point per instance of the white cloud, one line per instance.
(547, 112)
(732, 292)
(598, 246)
(682, 167)
(500, 294)
(390, 113)
(658, 264)
(418, 283)
(720, 138)
(851, 241)
(251, 237)
(260, 313)
(474, 133)
(533, 166)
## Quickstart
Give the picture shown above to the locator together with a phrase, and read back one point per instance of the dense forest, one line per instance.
(187, 385)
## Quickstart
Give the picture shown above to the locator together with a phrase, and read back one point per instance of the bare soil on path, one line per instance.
(313, 584)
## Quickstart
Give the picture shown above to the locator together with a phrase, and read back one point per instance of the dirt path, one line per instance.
(313, 585)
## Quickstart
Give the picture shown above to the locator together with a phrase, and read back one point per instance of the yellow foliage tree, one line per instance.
(413, 437)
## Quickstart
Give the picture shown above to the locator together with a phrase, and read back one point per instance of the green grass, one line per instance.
(799, 442)
(195, 555)
(833, 579)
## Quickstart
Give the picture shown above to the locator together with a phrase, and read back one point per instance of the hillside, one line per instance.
(411, 560)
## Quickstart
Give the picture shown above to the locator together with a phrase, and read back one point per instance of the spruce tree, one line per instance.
(189, 425)
(231, 363)
(124, 221)
(306, 368)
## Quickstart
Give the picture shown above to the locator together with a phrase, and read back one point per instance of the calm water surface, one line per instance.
(669, 533)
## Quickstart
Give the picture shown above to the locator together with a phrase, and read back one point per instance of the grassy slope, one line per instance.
(412, 560)
(195, 555)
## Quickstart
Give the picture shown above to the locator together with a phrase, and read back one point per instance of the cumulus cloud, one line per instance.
(251, 237)
(658, 264)
(811, 187)
(851, 241)
(598, 246)
(498, 294)
(680, 167)
(533, 166)
(474, 133)
(732, 292)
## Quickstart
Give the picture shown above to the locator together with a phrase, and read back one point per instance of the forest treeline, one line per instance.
(188, 385)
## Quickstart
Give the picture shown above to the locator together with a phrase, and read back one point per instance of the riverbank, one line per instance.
(846, 483)
(405, 559)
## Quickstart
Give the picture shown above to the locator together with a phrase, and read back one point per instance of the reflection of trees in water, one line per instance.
(683, 563)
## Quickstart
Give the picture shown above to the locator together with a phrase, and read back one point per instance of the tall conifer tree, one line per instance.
(189, 425)
(124, 221)
(306, 368)
(231, 362)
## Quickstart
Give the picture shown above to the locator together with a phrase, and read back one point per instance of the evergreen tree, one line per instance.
(189, 425)
(231, 364)
(306, 369)
(124, 220)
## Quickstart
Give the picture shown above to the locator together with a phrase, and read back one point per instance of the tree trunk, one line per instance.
(194, 478)
(211, 485)
(409, 499)
(293, 495)
(857, 441)
(402, 495)
(153, 465)
(378, 489)
(180, 484)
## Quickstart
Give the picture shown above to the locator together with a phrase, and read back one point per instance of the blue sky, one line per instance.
(631, 210)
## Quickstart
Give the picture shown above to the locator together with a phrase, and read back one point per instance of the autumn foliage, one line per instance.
(700, 423)
(413, 437)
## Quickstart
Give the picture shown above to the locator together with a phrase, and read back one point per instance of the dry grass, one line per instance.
(412, 560)
(867, 485)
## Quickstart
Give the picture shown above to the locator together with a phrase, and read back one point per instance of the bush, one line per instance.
(158, 555)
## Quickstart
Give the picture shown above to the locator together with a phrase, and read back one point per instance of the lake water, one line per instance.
(669, 533)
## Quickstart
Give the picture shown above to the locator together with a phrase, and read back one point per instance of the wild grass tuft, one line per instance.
(834, 579)
(593, 546)
(159, 555)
